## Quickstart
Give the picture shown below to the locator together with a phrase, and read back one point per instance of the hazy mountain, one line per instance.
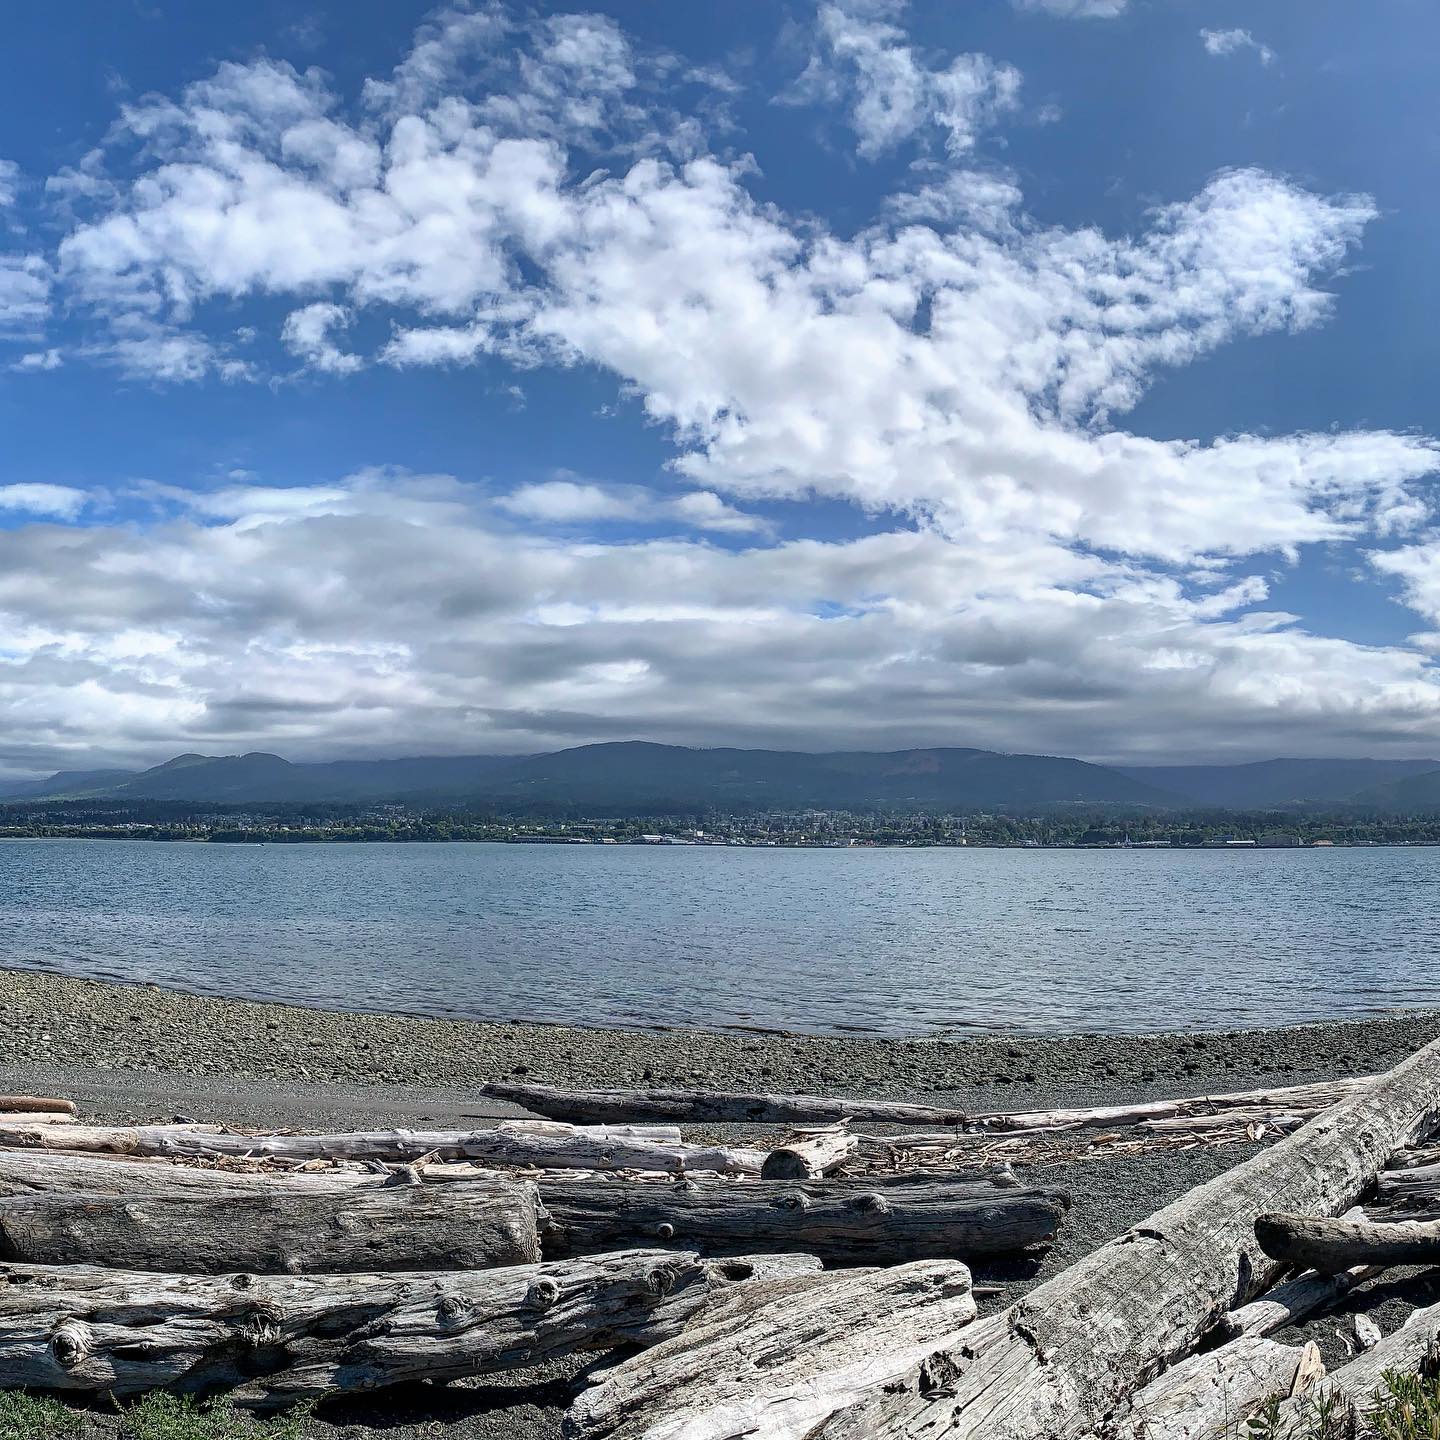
(1414, 793)
(636, 777)
(1268, 783)
(632, 777)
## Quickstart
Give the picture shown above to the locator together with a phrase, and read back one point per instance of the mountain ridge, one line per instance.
(633, 776)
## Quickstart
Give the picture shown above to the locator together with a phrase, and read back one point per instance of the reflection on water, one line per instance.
(896, 941)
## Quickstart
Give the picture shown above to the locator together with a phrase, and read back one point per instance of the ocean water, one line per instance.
(834, 941)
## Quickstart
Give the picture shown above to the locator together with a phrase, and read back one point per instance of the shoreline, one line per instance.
(59, 1020)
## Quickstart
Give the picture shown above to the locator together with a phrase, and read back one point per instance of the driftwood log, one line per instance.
(1332, 1246)
(1292, 1300)
(711, 1106)
(47, 1172)
(884, 1219)
(276, 1340)
(1351, 1390)
(1417, 1188)
(512, 1142)
(1207, 1397)
(804, 1157)
(36, 1104)
(772, 1363)
(275, 1230)
(1056, 1363)
(708, 1106)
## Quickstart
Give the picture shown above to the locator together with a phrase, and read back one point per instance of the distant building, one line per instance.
(1278, 840)
(1322, 844)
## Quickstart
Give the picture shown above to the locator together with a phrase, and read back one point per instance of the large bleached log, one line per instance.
(1206, 1397)
(883, 1219)
(475, 1226)
(1331, 1246)
(279, 1339)
(509, 1143)
(702, 1106)
(771, 1365)
(803, 1157)
(1060, 1361)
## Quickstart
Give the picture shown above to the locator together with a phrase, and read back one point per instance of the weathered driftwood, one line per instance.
(1417, 1188)
(1057, 1362)
(712, 1106)
(476, 1226)
(36, 1104)
(772, 1364)
(46, 1172)
(279, 1339)
(762, 1108)
(511, 1142)
(875, 1218)
(803, 1157)
(1352, 1388)
(1294, 1299)
(1282, 1100)
(1331, 1246)
(1204, 1397)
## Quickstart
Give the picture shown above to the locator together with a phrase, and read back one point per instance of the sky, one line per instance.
(1039, 375)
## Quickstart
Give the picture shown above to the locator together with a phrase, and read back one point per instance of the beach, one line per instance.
(132, 1053)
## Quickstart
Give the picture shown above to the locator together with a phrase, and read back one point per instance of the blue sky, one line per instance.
(1049, 375)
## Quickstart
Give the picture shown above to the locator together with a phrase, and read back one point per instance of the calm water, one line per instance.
(900, 941)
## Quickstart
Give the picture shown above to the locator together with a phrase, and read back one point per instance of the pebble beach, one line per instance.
(133, 1053)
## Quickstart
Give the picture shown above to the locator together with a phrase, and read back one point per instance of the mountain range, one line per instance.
(635, 777)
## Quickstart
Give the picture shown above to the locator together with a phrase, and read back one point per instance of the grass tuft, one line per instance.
(35, 1417)
(155, 1417)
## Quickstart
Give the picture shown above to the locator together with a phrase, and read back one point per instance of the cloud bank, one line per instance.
(1032, 574)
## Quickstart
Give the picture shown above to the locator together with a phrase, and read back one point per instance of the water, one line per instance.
(891, 941)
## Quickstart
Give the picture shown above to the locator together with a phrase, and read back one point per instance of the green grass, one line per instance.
(28, 1417)
(156, 1417)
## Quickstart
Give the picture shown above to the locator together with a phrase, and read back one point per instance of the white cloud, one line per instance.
(571, 501)
(24, 294)
(9, 183)
(957, 371)
(1076, 9)
(323, 620)
(307, 333)
(866, 63)
(1229, 42)
(61, 501)
(34, 360)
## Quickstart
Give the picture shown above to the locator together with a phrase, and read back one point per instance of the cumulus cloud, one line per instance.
(38, 360)
(955, 372)
(1229, 42)
(61, 501)
(866, 63)
(308, 333)
(9, 182)
(570, 501)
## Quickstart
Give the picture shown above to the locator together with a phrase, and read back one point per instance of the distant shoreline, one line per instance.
(1241, 847)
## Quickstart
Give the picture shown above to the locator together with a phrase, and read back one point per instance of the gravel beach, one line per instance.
(128, 1053)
